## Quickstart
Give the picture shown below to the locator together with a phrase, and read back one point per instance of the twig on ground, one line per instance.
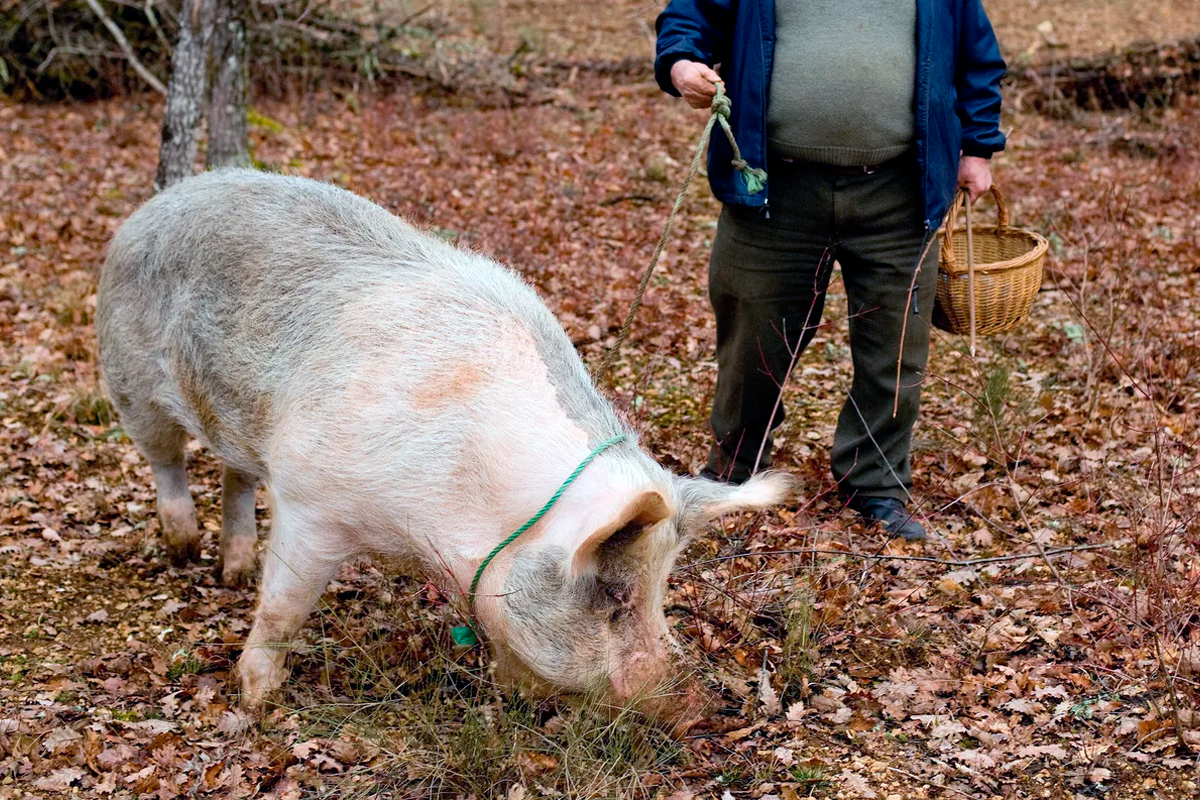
(1169, 679)
(419, 12)
(973, 562)
(927, 780)
(636, 198)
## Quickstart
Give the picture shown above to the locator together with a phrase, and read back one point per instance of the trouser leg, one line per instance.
(767, 282)
(883, 239)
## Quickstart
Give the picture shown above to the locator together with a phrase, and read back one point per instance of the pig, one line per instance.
(399, 398)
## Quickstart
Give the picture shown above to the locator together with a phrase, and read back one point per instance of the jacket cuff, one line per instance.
(977, 151)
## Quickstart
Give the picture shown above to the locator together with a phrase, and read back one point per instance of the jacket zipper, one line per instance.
(762, 54)
(925, 188)
(929, 230)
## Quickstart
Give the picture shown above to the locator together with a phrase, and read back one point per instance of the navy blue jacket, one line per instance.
(959, 68)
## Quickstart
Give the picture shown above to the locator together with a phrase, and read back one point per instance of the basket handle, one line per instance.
(961, 201)
(971, 267)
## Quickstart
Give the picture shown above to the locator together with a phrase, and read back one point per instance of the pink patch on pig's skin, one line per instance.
(507, 444)
(454, 386)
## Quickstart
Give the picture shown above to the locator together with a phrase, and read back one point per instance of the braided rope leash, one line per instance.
(756, 180)
(465, 635)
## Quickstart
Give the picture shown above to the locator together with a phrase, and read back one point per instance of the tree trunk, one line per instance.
(185, 95)
(227, 136)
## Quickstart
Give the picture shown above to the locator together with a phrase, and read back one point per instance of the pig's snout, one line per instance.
(638, 674)
(651, 683)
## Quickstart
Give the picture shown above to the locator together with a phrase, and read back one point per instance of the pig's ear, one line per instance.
(640, 513)
(704, 500)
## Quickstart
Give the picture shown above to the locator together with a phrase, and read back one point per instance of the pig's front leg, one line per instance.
(238, 535)
(296, 569)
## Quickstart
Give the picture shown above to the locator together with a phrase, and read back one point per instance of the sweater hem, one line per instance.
(838, 156)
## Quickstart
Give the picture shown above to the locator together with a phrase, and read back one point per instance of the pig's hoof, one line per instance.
(177, 517)
(251, 703)
(183, 550)
(238, 564)
(236, 576)
(260, 671)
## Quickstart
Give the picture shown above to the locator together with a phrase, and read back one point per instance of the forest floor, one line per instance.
(625, 28)
(1043, 643)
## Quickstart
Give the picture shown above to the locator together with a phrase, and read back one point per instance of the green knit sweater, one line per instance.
(842, 83)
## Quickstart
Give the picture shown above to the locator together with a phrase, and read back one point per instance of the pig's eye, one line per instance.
(612, 599)
(616, 594)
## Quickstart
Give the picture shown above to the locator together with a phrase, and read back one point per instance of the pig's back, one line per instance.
(240, 299)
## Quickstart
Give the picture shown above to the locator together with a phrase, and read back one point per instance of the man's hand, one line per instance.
(974, 175)
(696, 82)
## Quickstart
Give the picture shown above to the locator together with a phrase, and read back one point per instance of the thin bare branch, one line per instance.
(123, 43)
(973, 562)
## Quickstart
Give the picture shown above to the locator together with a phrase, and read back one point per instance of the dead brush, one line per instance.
(1128, 411)
(1136, 360)
(798, 647)
(74, 303)
(89, 406)
(1151, 588)
(80, 407)
(762, 609)
(1005, 412)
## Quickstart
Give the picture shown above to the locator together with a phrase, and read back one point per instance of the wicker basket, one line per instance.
(988, 274)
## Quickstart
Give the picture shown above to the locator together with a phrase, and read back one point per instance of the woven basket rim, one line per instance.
(1038, 251)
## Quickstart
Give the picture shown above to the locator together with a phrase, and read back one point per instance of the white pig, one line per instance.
(399, 398)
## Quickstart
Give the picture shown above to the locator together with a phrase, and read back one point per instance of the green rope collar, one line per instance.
(464, 635)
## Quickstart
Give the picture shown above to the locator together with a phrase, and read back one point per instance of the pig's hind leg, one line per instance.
(238, 535)
(161, 441)
(297, 566)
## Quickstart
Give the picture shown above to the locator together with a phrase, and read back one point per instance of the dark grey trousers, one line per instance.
(767, 283)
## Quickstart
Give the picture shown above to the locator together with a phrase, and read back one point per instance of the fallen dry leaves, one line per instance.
(1073, 675)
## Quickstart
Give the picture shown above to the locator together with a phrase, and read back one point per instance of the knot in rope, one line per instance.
(721, 104)
(756, 179)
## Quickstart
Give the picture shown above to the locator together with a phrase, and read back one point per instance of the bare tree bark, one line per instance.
(185, 95)
(227, 134)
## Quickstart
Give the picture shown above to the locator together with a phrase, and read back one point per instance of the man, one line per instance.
(867, 115)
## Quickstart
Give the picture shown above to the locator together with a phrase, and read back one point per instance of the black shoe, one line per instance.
(891, 514)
